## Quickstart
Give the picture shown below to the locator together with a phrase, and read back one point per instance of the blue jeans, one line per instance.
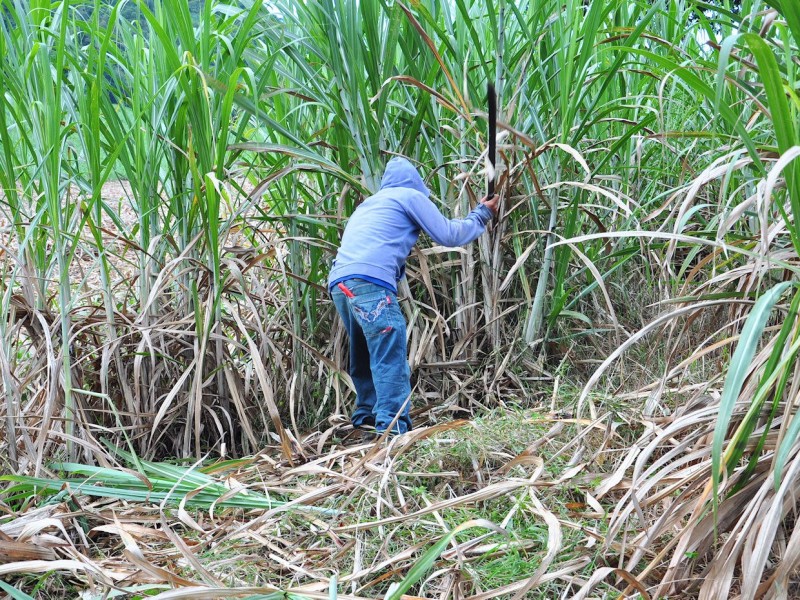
(378, 360)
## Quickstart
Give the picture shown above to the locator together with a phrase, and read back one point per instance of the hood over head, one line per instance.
(401, 173)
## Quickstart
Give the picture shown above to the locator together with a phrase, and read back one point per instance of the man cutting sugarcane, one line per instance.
(363, 284)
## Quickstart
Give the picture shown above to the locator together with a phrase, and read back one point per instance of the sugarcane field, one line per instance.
(399, 299)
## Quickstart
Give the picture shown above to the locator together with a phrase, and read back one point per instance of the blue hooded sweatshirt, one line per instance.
(381, 232)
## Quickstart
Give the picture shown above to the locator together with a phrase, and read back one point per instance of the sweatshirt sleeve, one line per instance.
(444, 231)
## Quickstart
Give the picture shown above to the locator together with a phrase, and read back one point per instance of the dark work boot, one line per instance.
(367, 432)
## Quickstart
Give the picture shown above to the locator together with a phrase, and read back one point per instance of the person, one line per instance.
(363, 285)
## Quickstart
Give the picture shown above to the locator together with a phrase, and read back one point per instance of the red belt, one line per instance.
(346, 291)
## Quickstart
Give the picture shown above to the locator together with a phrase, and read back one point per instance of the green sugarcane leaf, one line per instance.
(738, 370)
(700, 87)
(790, 9)
(14, 592)
(426, 561)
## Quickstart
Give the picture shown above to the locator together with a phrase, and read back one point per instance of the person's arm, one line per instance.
(450, 232)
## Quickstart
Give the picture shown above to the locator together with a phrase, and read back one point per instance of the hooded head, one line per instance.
(401, 173)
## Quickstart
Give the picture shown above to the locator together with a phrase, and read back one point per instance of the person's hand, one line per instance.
(491, 203)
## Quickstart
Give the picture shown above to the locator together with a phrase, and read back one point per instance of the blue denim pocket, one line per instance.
(375, 312)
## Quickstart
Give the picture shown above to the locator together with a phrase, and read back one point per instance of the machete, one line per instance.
(491, 98)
